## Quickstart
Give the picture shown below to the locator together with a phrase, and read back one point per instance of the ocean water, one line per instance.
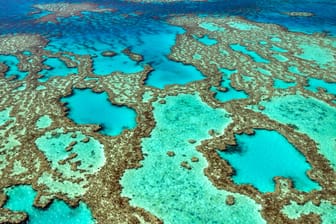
(121, 63)
(177, 108)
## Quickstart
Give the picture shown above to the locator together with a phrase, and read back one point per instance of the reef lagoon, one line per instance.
(168, 111)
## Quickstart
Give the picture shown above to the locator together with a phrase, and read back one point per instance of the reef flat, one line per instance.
(86, 134)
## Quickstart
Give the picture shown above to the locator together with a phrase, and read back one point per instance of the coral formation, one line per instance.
(63, 10)
(256, 54)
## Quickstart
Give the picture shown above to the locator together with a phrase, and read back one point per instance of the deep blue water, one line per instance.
(13, 14)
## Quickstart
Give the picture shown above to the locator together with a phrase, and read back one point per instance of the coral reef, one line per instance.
(32, 116)
(63, 10)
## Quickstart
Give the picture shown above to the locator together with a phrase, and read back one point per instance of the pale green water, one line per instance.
(173, 193)
(326, 210)
(211, 26)
(90, 154)
(43, 122)
(317, 53)
(316, 119)
(5, 116)
(242, 26)
(87, 154)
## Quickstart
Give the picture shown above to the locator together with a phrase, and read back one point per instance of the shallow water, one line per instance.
(275, 157)
(314, 84)
(88, 107)
(229, 92)
(21, 198)
(5, 116)
(326, 210)
(57, 68)
(43, 122)
(168, 190)
(316, 119)
(254, 55)
(12, 63)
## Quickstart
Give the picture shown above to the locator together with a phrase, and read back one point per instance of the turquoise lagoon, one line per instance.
(88, 107)
(312, 117)
(5, 116)
(258, 158)
(280, 84)
(13, 69)
(206, 40)
(295, 70)
(21, 198)
(176, 194)
(254, 55)
(230, 93)
(313, 84)
(170, 72)
(57, 68)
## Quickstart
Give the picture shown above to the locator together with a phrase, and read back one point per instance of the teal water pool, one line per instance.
(21, 198)
(258, 158)
(13, 69)
(88, 107)
(229, 92)
(312, 117)
(57, 68)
